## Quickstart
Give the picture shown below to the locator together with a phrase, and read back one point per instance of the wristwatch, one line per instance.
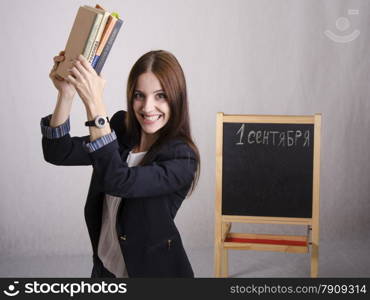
(99, 121)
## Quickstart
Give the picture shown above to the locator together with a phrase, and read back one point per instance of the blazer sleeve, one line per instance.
(59, 148)
(162, 177)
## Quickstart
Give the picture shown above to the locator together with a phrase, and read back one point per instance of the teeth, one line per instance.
(152, 118)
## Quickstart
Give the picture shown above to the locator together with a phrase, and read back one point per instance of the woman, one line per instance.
(144, 164)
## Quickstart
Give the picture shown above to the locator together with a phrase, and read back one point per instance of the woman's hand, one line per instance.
(87, 82)
(65, 89)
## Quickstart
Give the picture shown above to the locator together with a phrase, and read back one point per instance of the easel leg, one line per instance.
(221, 254)
(314, 260)
(218, 257)
(225, 265)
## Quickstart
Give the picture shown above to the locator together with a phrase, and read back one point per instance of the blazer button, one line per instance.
(123, 237)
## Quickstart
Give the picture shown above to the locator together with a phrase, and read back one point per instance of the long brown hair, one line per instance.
(167, 69)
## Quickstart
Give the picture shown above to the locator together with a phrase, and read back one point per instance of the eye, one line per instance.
(161, 96)
(138, 95)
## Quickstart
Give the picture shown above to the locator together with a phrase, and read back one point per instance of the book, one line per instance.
(107, 31)
(93, 33)
(81, 29)
(108, 46)
(96, 33)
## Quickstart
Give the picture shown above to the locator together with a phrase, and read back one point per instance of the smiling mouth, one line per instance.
(151, 118)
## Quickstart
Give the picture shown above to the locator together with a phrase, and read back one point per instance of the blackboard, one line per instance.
(267, 169)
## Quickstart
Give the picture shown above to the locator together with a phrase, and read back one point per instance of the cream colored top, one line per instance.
(109, 250)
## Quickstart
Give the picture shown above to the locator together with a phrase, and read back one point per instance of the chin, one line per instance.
(152, 128)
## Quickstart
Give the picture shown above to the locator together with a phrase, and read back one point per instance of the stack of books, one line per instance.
(93, 34)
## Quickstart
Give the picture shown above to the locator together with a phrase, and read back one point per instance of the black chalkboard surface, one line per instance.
(267, 169)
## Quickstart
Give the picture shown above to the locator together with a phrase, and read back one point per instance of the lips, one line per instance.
(149, 119)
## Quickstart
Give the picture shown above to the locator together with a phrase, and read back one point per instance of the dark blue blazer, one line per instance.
(151, 195)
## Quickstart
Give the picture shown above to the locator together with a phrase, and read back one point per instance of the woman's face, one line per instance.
(150, 103)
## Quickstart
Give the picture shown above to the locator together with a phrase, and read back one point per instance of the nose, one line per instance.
(148, 104)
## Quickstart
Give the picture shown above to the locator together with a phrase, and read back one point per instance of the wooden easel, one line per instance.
(226, 240)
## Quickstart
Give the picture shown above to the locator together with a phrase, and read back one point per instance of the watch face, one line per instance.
(100, 122)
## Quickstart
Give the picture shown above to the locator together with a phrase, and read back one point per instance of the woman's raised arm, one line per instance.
(58, 146)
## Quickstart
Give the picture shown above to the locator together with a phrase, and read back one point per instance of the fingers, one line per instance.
(54, 67)
(81, 73)
(53, 70)
(82, 69)
(59, 77)
(77, 73)
(85, 63)
(72, 80)
(53, 74)
(80, 63)
(57, 59)
(77, 64)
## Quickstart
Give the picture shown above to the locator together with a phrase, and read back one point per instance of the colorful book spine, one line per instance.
(107, 31)
(98, 36)
(100, 63)
(92, 35)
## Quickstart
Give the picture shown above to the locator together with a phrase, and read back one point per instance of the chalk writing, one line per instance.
(288, 138)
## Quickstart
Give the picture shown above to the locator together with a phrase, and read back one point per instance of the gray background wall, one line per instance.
(239, 57)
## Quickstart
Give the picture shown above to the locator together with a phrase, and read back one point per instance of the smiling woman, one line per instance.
(145, 164)
(157, 86)
(151, 108)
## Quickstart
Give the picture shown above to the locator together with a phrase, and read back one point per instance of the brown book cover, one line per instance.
(78, 36)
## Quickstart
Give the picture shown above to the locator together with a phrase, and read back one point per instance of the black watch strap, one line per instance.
(92, 122)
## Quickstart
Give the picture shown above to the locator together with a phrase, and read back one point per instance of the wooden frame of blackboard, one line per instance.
(223, 223)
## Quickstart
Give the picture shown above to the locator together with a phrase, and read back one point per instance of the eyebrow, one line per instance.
(157, 91)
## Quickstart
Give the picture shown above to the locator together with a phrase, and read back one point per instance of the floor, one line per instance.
(340, 259)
